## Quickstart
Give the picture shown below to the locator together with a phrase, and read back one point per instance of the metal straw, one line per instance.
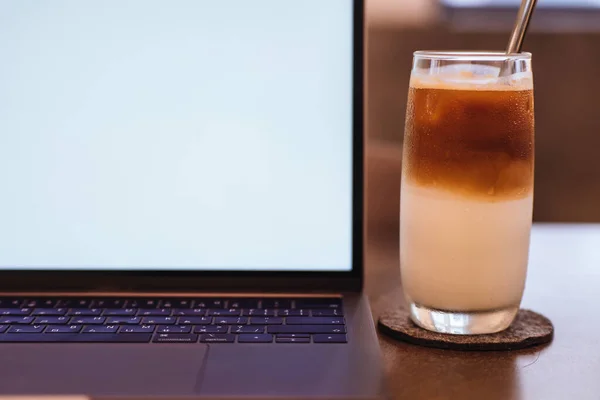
(520, 29)
(518, 35)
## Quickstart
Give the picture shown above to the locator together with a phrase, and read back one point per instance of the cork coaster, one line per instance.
(528, 329)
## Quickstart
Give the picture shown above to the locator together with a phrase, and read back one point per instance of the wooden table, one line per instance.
(563, 283)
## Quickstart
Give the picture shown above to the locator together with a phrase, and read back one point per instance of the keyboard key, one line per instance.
(40, 303)
(159, 320)
(292, 340)
(193, 312)
(137, 329)
(15, 311)
(334, 312)
(319, 303)
(76, 338)
(119, 312)
(306, 329)
(175, 338)
(315, 320)
(259, 312)
(217, 338)
(87, 320)
(224, 312)
(211, 329)
(16, 320)
(209, 303)
(145, 312)
(260, 338)
(123, 320)
(231, 320)
(51, 320)
(247, 329)
(100, 329)
(8, 302)
(49, 311)
(290, 312)
(194, 320)
(330, 339)
(276, 303)
(166, 304)
(3, 328)
(108, 303)
(182, 303)
(266, 320)
(174, 329)
(63, 329)
(142, 303)
(74, 303)
(176, 303)
(243, 303)
(84, 312)
(26, 329)
(293, 336)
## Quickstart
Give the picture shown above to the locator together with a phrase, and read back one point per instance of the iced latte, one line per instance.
(467, 192)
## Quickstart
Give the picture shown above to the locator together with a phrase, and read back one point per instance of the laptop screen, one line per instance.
(176, 135)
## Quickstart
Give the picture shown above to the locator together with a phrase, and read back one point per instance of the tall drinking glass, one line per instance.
(467, 189)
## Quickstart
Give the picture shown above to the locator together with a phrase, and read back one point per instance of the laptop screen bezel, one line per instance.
(186, 281)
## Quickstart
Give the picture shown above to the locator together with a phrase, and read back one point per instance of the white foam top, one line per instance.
(470, 77)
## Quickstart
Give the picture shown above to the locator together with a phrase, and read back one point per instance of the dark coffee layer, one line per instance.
(473, 141)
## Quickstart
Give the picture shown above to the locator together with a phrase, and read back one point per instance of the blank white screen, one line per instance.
(176, 134)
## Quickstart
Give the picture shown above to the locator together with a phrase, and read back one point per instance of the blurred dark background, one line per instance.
(565, 41)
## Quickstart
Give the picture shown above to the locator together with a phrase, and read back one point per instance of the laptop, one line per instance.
(182, 200)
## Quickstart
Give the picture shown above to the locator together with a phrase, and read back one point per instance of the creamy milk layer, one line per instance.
(460, 253)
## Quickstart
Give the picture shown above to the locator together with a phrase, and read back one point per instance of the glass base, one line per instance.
(462, 323)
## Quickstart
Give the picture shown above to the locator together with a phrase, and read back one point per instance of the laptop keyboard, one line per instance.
(172, 320)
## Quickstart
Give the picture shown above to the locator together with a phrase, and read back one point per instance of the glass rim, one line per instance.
(471, 55)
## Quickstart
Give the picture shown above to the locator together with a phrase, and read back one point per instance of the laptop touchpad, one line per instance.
(102, 369)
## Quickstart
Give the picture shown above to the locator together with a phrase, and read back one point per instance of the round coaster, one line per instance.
(528, 329)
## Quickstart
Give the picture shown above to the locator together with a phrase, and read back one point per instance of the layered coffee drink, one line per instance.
(466, 198)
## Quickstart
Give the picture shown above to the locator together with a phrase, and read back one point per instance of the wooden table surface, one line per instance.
(563, 283)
